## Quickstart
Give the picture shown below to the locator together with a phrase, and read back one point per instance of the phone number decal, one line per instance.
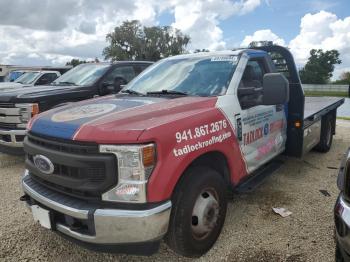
(200, 131)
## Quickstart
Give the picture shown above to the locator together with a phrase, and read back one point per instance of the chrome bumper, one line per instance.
(12, 135)
(112, 226)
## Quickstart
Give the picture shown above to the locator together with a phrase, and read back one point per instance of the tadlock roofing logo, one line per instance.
(76, 113)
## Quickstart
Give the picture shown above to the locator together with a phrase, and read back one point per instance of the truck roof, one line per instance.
(120, 62)
(221, 53)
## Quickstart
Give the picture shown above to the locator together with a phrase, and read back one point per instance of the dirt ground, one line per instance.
(252, 232)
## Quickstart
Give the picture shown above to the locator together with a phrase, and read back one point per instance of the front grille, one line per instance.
(7, 105)
(63, 145)
(93, 172)
(8, 126)
(65, 190)
(79, 169)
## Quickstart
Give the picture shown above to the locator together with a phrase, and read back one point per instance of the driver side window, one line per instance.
(46, 79)
(124, 73)
(249, 89)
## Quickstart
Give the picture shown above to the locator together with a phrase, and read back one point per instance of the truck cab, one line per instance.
(158, 159)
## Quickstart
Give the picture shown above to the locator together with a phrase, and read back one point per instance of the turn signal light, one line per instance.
(35, 109)
(148, 156)
(297, 124)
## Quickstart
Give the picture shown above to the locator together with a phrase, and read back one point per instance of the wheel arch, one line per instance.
(213, 159)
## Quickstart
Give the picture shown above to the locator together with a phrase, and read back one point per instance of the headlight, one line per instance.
(344, 173)
(27, 111)
(135, 165)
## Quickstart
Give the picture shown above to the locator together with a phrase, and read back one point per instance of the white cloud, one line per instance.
(200, 19)
(34, 32)
(263, 35)
(323, 30)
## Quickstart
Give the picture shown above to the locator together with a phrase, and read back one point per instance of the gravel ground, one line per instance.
(252, 232)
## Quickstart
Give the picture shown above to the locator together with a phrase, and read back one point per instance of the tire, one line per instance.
(326, 138)
(198, 213)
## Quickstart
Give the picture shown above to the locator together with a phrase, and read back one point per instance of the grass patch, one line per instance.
(343, 118)
(326, 93)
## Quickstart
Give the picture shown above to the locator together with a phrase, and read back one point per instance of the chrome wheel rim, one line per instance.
(205, 214)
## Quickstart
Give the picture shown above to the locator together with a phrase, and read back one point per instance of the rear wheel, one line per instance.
(326, 138)
(198, 214)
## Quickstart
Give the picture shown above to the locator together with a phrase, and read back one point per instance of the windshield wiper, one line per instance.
(131, 92)
(167, 92)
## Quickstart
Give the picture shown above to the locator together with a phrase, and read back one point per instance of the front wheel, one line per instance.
(198, 214)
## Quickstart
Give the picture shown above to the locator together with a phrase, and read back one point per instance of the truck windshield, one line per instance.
(197, 76)
(27, 78)
(81, 75)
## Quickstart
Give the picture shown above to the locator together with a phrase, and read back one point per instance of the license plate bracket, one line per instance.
(42, 216)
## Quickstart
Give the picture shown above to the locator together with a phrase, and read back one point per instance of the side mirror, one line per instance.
(275, 89)
(107, 88)
(119, 83)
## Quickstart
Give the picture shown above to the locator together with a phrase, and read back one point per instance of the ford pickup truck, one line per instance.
(19, 105)
(159, 159)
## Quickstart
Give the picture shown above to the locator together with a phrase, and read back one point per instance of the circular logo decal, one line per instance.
(43, 164)
(82, 112)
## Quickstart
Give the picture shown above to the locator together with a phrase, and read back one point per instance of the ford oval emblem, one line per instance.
(43, 164)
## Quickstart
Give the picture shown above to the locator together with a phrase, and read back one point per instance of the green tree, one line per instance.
(319, 67)
(74, 62)
(132, 41)
(344, 79)
(201, 50)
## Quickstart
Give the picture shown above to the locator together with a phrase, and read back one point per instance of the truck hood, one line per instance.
(117, 118)
(9, 85)
(19, 94)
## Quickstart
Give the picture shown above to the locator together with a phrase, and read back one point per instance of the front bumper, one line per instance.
(342, 225)
(12, 138)
(109, 226)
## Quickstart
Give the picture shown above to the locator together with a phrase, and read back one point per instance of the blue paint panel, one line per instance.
(44, 125)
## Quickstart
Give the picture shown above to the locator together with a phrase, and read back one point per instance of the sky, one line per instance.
(51, 32)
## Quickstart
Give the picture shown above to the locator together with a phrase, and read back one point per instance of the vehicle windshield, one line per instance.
(14, 75)
(81, 75)
(27, 78)
(196, 76)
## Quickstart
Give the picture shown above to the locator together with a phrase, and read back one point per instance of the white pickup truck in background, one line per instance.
(31, 78)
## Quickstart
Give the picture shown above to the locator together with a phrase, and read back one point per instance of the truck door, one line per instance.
(261, 130)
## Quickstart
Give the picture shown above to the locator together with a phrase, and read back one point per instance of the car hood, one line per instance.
(116, 119)
(9, 85)
(18, 94)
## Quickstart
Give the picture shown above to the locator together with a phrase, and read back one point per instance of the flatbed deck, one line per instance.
(316, 106)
